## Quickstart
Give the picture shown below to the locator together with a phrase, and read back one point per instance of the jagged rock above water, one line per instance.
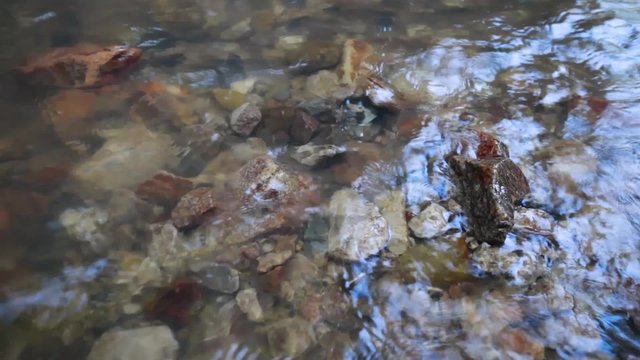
(245, 118)
(149, 343)
(357, 229)
(489, 190)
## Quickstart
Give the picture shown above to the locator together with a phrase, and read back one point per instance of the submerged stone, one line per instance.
(290, 337)
(431, 222)
(192, 209)
(312, 155)
(247, 301)
(357, 228)
(149, 343)
(245, 118)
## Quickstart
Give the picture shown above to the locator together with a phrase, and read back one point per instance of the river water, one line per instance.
(85, 252)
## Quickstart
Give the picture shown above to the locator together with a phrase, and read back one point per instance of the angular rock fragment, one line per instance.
(357, 228)
(431, 222)
(489, 191)
(312, 155)
(303, 127)
(245, 118)
(150, 343)
(193, 208)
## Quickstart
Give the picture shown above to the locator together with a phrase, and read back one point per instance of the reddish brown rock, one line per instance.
(194, 208)
(70, 111)
(357, 56)
(489, 190)
(489, 147)
(164, 188)
(303, 127)
(80, 66)
(174, 306)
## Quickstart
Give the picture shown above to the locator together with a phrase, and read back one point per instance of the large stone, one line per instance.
(149, 343)
(431, 222)
(357, 229)
(489, 191)
(245, 118)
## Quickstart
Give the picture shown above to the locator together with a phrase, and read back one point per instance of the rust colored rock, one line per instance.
(164, 188)
(490, 147)
(80, 66)
(175, 304)
(489, 190)
(70, 111)
(357, 56)
(303, 127)
(518, 341)
(193, 208)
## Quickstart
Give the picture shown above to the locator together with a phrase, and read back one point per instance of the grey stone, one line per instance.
(533, 221)
(393, 206)
(312, 155)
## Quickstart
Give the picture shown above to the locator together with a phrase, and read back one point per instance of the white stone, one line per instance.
(149, 343)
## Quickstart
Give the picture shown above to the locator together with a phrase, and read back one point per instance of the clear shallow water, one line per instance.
(70, 247)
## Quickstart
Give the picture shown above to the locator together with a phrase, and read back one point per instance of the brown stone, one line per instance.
(194, 207)
(490, 147)
(489, 190)
(164, 188)
(303, 127)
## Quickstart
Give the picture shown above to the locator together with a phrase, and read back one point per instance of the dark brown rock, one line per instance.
(489, 190)
(193, 208)
(164, 188)
(303, 127)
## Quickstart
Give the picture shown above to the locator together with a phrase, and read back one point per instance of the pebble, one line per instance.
(431, 222)
(149, 343)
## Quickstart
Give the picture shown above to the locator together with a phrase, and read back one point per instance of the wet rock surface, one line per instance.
(154, 343)
(357, 228)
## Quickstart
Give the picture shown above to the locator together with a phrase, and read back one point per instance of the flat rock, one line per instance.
(489, 190)
(245, 118)
(357, 229)
(149, 343)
